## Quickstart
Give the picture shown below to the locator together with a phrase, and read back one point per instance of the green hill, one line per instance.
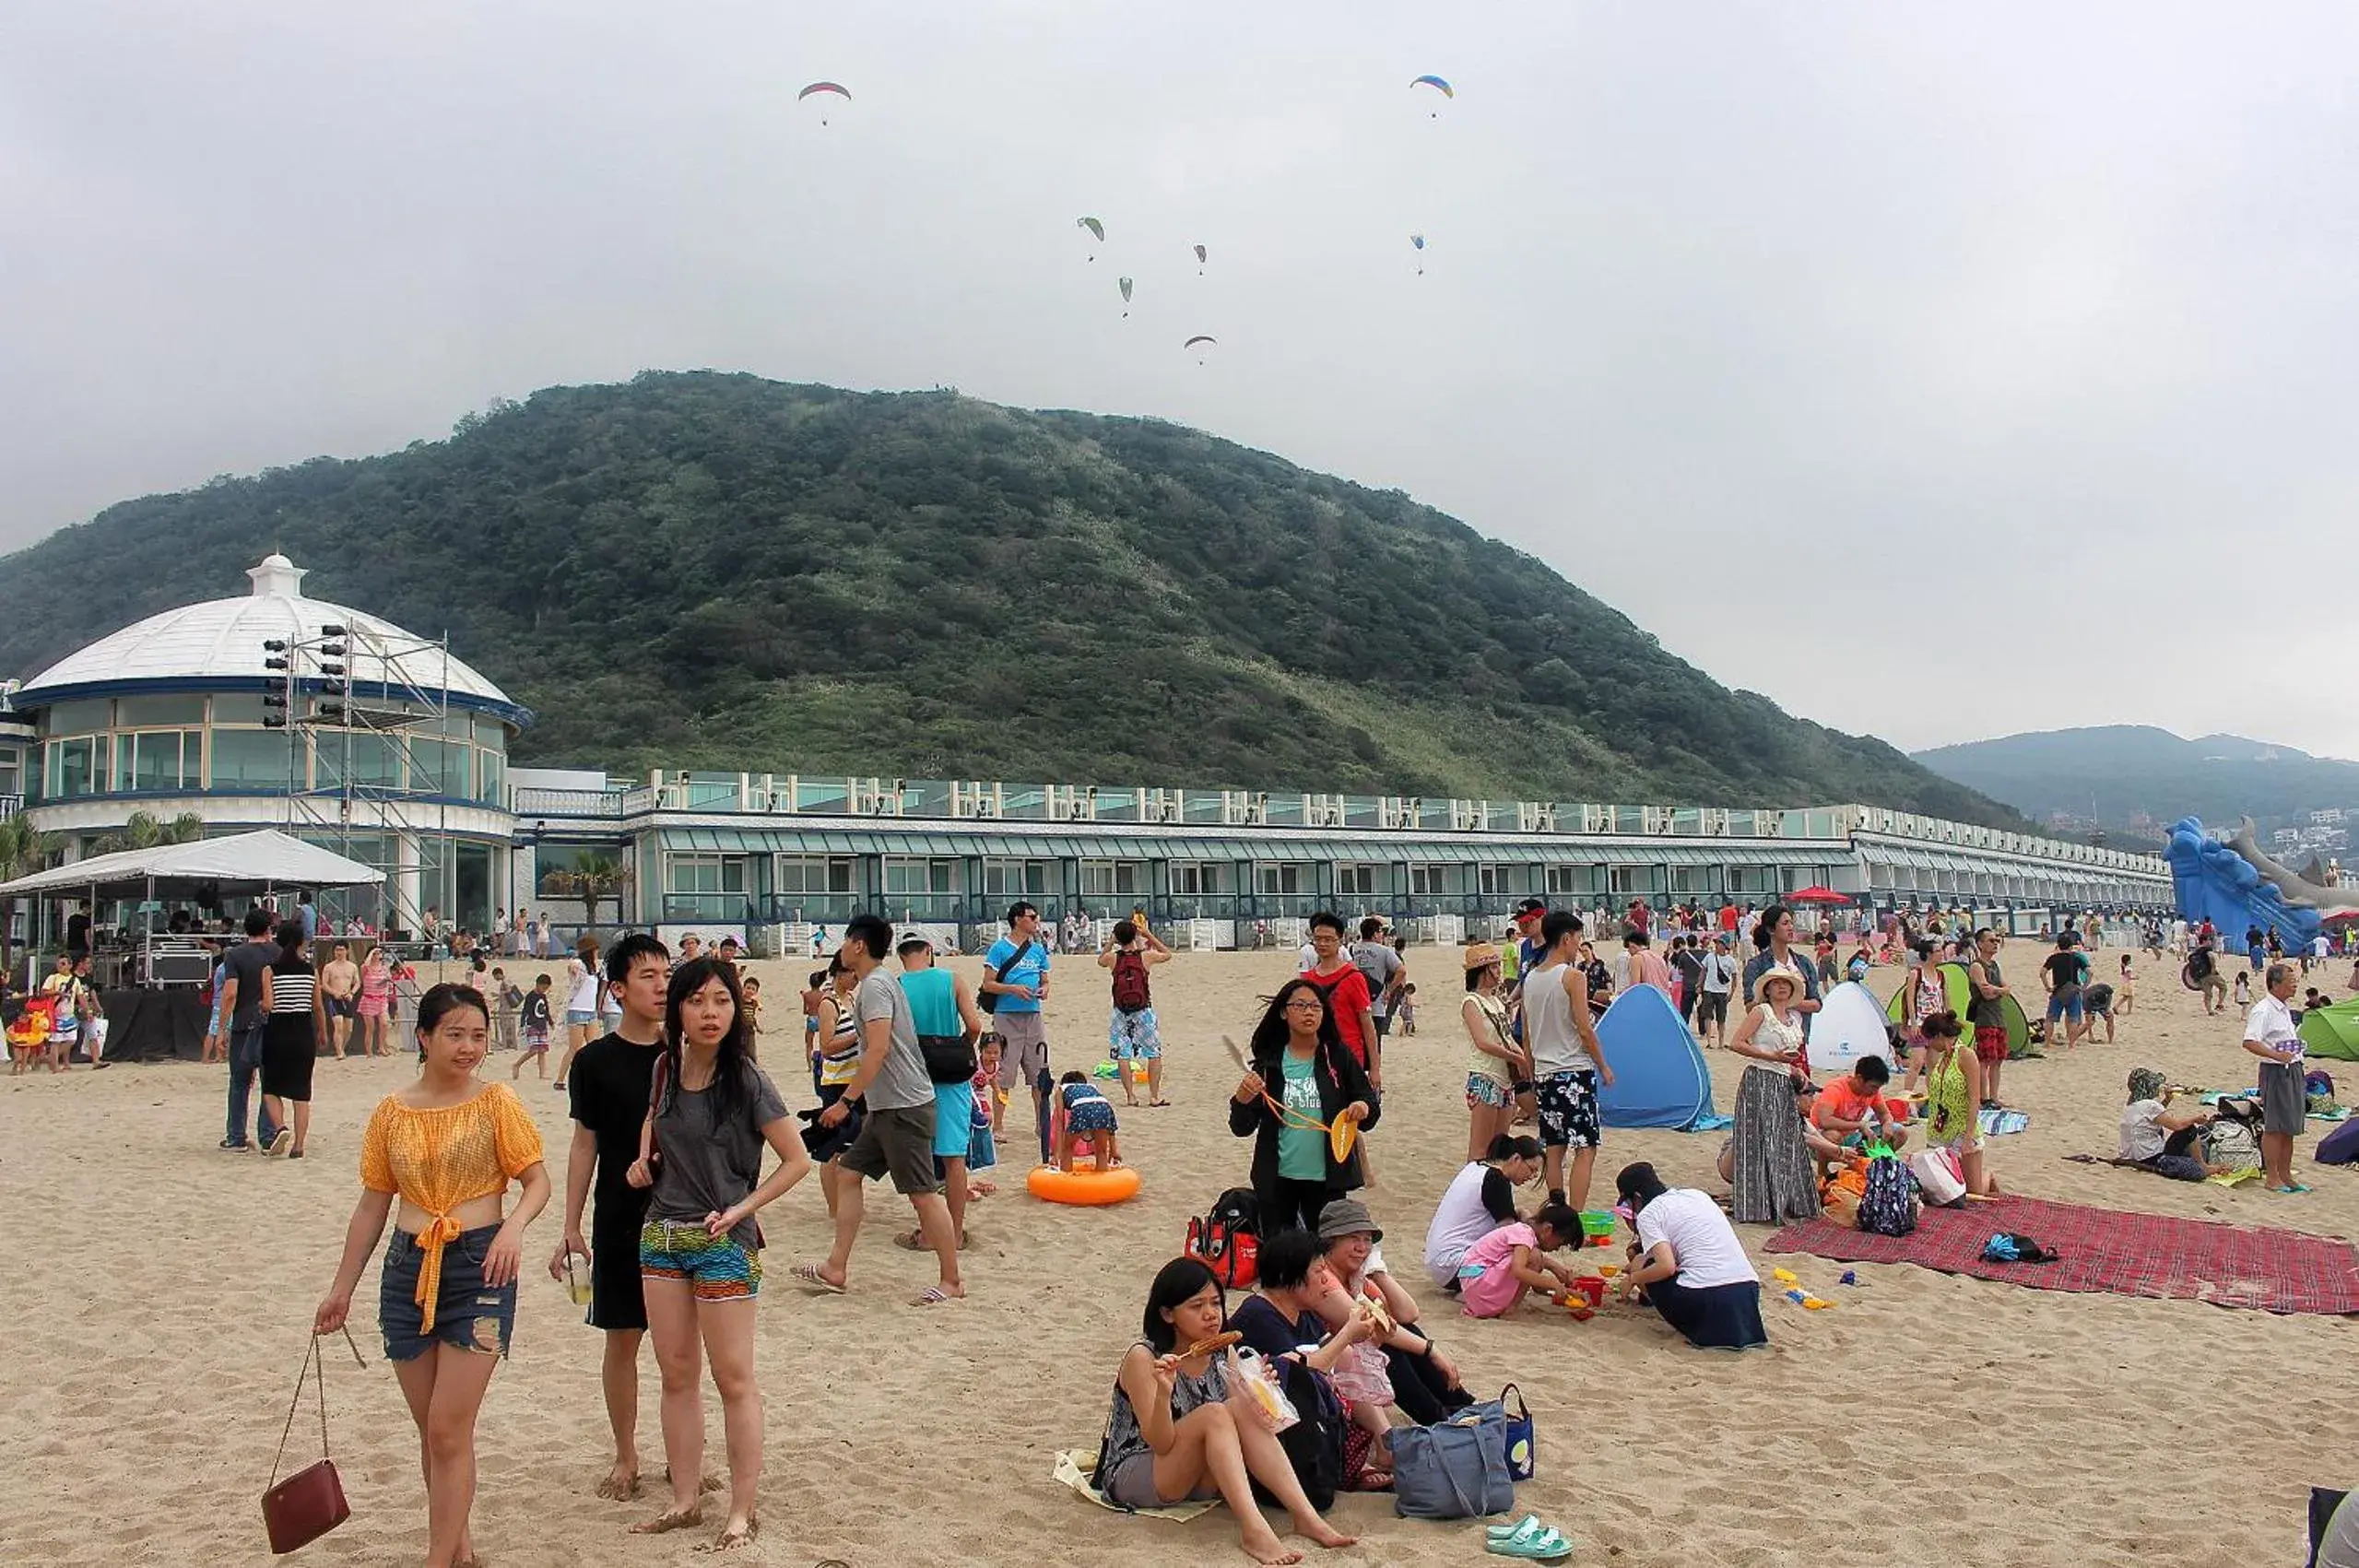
(704, 569)
(2121, 774)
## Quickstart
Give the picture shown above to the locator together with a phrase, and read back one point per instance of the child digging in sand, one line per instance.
(1501, 1266)
(1083, 1112)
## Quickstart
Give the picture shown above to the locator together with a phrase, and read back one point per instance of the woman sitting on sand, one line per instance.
(1177, 1431)
(1771, 1172)
(1401, 1368)
(1689, 1263)
(699, 1254)
(1479, 1199)
(446, 1149)
(1301, 1081)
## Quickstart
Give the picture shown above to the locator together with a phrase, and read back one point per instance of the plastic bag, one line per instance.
(1249, 1370)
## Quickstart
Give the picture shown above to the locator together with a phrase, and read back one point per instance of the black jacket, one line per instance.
(1341, 1080)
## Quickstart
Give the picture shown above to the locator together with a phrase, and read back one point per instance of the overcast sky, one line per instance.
(2006, 343)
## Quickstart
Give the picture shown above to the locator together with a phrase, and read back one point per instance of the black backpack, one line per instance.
(1315, 1443)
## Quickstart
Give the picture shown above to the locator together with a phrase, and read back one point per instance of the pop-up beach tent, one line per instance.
(1959, 990)
(1659, 1079)
(2332, 1030)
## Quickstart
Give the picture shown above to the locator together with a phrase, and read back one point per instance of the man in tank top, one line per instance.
(1567, 1061)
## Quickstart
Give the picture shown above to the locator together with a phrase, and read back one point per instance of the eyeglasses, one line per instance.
(1307, 1002)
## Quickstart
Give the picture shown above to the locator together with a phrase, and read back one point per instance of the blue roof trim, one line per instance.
(30, 699)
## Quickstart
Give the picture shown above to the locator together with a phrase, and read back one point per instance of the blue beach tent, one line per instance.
(1659, 1079)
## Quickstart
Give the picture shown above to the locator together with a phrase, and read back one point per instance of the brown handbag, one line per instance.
(309, 1503)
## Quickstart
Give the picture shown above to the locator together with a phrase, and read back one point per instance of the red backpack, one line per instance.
(1228, 1240)
(1130, 990)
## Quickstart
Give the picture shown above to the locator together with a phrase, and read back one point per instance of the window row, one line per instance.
(263, 761)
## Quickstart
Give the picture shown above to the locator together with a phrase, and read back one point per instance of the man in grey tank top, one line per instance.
(1567, 1059)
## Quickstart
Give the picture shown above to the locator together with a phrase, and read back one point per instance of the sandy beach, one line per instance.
(162, 1293)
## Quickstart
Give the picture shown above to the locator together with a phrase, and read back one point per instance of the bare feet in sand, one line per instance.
(1318, 1532)
(735, 1534)
(672, 1519)
(622, 1484)
(1261, 1544)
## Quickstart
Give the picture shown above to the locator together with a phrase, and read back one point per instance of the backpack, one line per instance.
(1314, 1443)
(1888, 1207)
(1130, 991)
(1228, 1240)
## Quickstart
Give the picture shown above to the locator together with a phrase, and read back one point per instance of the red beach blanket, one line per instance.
(2109, 1250)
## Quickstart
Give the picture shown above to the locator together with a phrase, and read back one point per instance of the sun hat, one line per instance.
(1480, 955)
(1347, 1217)
(1779, 971)
(2145, 1083)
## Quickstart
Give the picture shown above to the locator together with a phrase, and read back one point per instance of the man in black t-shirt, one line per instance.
(2066, 971)
(77, 928)
(612, 1079)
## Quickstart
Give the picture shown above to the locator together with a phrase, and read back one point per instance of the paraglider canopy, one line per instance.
(1438, 85)
(1092, 224)
(1124, 283)
(824, 87)
(1200, 343)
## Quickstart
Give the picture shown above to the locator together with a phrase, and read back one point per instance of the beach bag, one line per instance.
(1454, 1469)
(1313, 1443)
(989, 1000)
(2233, 1143)
(1887, 1203)
(1839, 1196)
(2013, 1246)
(948, 1057)
(1522, 1455)
(1131, 993)
(307, 1504)
(2339, 1146)
(2318, 1082)
(1939, 1175)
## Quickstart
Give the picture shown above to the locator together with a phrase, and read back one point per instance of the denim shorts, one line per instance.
(469, 1313)
(716, 1268)
(576, 1018)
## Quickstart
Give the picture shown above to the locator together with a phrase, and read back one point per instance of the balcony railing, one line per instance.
(10, 805)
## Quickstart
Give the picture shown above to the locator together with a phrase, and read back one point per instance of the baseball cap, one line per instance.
(1530, 907)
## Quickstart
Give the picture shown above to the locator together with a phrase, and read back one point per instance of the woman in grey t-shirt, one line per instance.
(701, 1149)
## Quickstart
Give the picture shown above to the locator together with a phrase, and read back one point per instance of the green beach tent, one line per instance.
(2332, 1031)
(1961, 993)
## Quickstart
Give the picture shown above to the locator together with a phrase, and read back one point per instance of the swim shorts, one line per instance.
(1568, 1110)
(716, 1268)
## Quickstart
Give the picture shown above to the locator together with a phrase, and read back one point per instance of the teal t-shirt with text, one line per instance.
(1302, 1151)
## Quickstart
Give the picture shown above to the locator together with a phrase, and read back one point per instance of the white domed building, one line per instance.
(274, 710)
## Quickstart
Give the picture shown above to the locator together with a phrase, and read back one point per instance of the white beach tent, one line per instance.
(242, 862)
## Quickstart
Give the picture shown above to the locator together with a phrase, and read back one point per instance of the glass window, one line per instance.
(155, 713)
(814, 874)
(493, 777)
(250, 759)
(1015, 878)
(76, 766)
(156, 760)
(1426, 879)
(1196, 878)
(1288, 878)
(1572, 879)
(237, 708)
(1112, 879)
(78, 718)
(1497, 881)
(1355, 881)
(12, 775)
(706, 873)
(907, 874)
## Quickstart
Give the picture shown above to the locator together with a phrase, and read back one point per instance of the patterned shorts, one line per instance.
(1482, 1090)
(1568, 1110)
(1134, 1034)
(716, 1266)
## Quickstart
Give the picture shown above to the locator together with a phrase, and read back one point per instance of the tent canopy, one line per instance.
(238, 863)
(1659, 1079)
(2332, 1031)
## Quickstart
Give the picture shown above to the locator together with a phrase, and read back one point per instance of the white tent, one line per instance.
(264, 859)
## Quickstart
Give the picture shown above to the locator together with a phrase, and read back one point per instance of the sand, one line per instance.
(160, 1292)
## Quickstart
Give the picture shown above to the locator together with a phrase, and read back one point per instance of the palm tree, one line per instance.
(142, 830)
(595, 877)
(22, 853)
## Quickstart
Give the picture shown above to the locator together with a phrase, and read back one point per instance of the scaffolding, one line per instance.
(358, 703)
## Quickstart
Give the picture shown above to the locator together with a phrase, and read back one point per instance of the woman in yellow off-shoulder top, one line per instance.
(445, 1148)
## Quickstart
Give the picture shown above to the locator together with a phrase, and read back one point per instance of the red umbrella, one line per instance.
(1818, 895)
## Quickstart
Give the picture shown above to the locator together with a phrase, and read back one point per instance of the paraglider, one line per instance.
(840, 92)
(1125, 284)
(1417, 243)
(1199, 261)
(1200, 338)
(1439, 86)
(1097, 232)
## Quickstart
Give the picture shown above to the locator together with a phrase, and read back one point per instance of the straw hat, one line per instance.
(1480, 955)
(1775, 972)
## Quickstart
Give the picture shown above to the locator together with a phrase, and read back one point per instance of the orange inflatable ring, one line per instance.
(1087, 1186)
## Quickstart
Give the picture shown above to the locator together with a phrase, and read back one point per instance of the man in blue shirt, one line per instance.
(1015, 982)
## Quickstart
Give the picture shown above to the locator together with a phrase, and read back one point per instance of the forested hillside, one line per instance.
(706, 569)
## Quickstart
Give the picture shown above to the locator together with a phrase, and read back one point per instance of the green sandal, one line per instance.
(1531, 1542)
(1524, 1526)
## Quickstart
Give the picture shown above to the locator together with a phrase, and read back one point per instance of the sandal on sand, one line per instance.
(672, 1519)
(1529, 1522)
(933, 1295)
(1541, 1543)
(809, 1274)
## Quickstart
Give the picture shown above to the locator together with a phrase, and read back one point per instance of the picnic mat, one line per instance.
(2109, 1250)
(1077, 1467)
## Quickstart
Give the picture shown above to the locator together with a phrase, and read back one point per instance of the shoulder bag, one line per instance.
(1454, 1469)
(989, 1000)
(309, 1503)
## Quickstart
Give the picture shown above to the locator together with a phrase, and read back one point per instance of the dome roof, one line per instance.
(218, 645)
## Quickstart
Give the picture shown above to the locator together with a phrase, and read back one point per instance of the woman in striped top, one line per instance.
(295, 1022)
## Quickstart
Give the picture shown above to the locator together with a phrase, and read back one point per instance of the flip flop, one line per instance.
(809, 1274)
(933, 1295)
